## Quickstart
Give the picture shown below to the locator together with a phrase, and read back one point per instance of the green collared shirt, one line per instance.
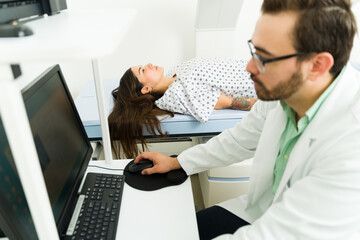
(293, 131)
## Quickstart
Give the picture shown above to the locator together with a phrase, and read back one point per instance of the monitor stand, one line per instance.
(18, 30)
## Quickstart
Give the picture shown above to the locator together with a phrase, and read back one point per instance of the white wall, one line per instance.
(230, 40)
(249, 14)
(162, 34)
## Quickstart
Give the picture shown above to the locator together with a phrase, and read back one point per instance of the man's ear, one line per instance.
(321, 64)
(145, 90)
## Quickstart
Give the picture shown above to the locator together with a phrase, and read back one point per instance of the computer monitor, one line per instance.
(15, 11)
(62, 146)
(15, 217)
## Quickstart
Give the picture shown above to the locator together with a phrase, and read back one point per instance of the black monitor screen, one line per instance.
(60, 139)
(15, 218)
(61, 143)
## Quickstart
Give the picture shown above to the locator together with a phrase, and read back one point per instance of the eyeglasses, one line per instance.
(260, 61)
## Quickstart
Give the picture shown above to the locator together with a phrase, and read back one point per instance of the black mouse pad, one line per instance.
(154, 181)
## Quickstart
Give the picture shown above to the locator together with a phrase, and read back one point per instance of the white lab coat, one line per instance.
(319, 194)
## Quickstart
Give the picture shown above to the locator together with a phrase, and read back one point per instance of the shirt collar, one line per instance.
(311, 112)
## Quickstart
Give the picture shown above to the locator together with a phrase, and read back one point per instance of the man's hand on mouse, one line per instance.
(162, 163)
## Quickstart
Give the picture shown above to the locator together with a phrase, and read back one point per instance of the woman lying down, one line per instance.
(195, 87)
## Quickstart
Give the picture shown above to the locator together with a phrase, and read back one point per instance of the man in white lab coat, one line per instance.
(304, 135)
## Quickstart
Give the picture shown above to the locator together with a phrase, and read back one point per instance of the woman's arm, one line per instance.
(238, 103)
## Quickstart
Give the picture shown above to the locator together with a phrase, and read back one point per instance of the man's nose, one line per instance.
(251, 67)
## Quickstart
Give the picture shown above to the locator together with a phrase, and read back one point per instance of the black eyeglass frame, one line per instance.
(264, 61)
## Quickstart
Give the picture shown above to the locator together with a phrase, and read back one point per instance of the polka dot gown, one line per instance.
(199, 83)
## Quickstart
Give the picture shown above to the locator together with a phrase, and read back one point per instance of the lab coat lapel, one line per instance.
(335, 105)
(298, 155)
(264, 160)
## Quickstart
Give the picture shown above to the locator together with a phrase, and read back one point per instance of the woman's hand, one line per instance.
(162, 163)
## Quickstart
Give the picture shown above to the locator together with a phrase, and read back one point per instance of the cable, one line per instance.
(114, 169)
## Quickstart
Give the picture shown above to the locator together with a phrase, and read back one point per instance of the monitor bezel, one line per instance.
(27, 92)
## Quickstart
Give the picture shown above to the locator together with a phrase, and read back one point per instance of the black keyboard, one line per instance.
(99, 213)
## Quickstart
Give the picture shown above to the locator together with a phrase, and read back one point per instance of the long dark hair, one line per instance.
(132, 112)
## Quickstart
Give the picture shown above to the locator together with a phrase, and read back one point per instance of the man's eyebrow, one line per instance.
(263, 50)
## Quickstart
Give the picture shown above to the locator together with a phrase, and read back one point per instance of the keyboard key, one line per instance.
(100, 210)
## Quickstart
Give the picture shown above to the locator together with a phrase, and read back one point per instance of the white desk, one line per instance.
(167, 213)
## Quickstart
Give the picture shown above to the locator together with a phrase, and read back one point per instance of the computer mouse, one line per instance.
(138, 167)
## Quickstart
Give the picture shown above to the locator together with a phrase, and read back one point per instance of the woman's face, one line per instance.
(148, 75)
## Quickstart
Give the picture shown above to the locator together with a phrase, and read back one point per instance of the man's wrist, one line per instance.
(176, 163)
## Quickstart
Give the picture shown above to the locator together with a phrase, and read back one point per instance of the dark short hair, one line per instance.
(322, 26)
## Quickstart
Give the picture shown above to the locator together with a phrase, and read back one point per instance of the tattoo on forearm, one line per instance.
(243, 103)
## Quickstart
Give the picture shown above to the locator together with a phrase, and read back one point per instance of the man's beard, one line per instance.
(282, 90)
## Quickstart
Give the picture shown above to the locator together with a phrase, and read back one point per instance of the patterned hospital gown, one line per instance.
(199, 83)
